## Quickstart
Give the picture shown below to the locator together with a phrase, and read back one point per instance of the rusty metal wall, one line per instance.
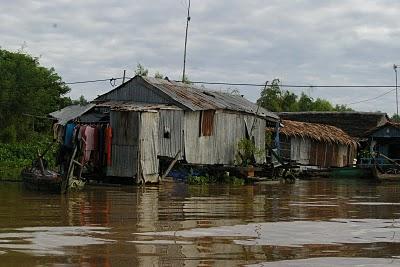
(171, 133)
(124, 154)
(221, 146)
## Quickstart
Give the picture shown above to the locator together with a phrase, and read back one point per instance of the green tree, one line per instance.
(271, 97)
(277, 100)
(141, 70)
(81, 101)
(26, 87)
(395, 118)
(158, 75)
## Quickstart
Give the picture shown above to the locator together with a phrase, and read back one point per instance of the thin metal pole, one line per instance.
(186, 35)
(397, 100)
(123, 78)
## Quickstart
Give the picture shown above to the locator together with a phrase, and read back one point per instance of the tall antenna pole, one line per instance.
(186, 35)
(397, 100)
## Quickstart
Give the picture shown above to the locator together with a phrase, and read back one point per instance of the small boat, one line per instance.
(50, 181)
(39, 178)
(389, 175)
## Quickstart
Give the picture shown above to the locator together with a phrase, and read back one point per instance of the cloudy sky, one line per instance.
(306, 42)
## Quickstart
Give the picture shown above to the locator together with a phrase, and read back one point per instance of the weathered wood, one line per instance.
(170, 166)
(64, 185)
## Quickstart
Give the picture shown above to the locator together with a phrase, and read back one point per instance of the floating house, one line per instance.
(154, 118)
(312, 144)
(385, 139)
(355, 124)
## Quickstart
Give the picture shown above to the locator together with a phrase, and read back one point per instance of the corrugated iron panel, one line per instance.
(149, 164)
(221, 146)
(171, 133)
(71, 112)
(124, 152)
(153, 90)
(133, 90)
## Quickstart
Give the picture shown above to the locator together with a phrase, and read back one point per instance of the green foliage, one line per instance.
(395, 118)
(275, 99)
(202, 180)
(186, 80)
(14, 157)
(141, 70)
(81, 101)
(247, 151)
(158, 75)
(26, 87)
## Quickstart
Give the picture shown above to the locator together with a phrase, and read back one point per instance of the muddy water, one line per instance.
(310, 223)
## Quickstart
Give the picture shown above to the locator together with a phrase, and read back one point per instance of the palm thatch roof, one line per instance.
(353, 123)
(317, 132)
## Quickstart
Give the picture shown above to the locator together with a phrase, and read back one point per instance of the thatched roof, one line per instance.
(353, 123)
(316, 131)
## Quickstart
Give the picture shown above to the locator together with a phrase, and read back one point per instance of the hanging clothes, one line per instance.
(101, 145)
(58, 133)
(69, 131)
(90, 144)
(108, 142)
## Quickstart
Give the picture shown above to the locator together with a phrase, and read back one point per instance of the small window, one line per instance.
(207, 122)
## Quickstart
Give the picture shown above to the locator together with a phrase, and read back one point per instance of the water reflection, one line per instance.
(178, 225)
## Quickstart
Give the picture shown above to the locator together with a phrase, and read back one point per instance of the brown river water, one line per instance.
(309, 223)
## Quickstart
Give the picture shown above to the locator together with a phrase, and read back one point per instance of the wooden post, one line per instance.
(171, 165)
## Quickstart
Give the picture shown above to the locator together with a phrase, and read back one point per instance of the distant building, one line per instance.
(385, 139)
(312, 144)
(355, 124)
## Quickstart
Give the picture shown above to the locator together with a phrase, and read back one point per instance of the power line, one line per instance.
(370, 99)
(293, 85)
(95, 81)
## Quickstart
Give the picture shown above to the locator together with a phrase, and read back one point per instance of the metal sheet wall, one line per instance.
(134, 91)
(221, 146)
(124, 152)
(148, 150)
(171, 122)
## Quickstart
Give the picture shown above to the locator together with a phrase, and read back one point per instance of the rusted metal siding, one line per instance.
(207, 122)
(124, 152)
(171, 133)
(221, 146)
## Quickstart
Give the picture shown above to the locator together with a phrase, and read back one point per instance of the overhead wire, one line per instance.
(113, 80)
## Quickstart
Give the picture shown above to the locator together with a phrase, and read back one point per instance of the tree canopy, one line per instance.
(275, 99)
(26, 88)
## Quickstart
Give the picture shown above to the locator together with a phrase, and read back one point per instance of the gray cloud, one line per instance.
(301, 42)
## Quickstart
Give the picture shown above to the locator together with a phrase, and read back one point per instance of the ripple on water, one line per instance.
(298, 233)
(51, 240)
(332, 261)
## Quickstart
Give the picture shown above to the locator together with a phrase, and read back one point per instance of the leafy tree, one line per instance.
(271, 97)
(277, 100)
(158, 75)
(395, 118)
(26, 88)
(81, 101)
(141, 70)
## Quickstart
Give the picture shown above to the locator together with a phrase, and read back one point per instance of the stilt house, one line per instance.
(153, 118)
(313, 144)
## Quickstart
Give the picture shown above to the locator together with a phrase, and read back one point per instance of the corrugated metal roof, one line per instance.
(71, 112)
(142, 107)
(196, 98)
